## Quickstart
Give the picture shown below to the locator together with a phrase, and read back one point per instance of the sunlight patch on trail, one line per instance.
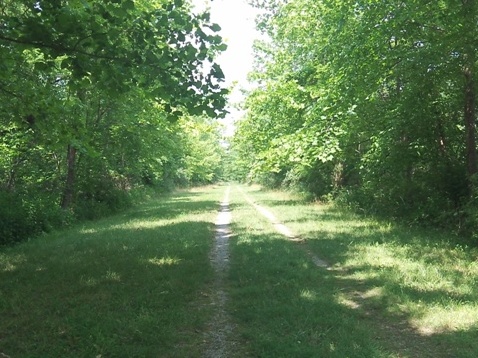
(446, 319)
(281, 228)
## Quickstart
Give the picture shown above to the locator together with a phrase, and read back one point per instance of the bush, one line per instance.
(27, 215)
(14, 223)
(99, 200)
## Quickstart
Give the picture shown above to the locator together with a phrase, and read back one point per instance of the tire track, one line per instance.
(220, 329)
(285, 231)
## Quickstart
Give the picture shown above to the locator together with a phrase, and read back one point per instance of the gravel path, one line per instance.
(220, 330)
(219, 335)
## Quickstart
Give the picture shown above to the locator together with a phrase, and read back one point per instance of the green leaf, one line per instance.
(211, 112)
(128, 5)
(222, 47)
(217, 71)
(215, 27)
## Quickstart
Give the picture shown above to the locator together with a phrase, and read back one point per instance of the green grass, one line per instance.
(126, 286)
(139, 285)
(285, 305)
(390, 291)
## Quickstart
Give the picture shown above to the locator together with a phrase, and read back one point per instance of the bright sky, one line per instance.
(236, 19)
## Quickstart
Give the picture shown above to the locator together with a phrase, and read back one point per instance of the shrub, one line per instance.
(27, 215)
(100, 199)
(14, 223)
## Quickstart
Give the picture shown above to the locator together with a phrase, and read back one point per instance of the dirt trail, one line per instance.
(220, 330)
(285, 231)
(219, 335)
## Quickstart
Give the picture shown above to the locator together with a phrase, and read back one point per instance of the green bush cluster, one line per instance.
(24, 216)
(384, 118)
(101, 202)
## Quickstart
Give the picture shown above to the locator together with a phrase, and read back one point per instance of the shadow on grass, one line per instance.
(395, 312)
(172, 207)
(394, 291)
(286, 306)
(289, 308)
(396, 279)
(109, 290)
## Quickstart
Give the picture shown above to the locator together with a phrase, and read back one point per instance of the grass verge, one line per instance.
(390, 291)
(124, 286)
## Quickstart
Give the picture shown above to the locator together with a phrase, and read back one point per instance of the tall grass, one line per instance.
(125, 286)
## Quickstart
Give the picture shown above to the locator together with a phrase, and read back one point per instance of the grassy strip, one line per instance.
(285, 305)
(125, 286)
(391, 292)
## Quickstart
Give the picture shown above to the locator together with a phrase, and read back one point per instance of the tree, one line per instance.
(204, 154)
(90, 94)
(371, 98)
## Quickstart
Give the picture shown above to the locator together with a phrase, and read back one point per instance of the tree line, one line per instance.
(370, 102)
(99, 98)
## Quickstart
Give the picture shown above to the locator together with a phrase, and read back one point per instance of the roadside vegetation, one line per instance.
(389, 291)
(125, 286)
(139, 284)
(372, 102)
(98, 100)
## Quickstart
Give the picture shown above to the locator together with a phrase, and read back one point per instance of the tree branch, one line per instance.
(58, 48)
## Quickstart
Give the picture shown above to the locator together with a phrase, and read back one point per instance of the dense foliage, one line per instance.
(372, 101)
(95, 100)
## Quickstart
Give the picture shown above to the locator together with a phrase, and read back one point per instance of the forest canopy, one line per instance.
(99, 98)
(370, 102)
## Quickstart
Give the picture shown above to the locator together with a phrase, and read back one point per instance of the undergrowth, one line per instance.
(123, 286)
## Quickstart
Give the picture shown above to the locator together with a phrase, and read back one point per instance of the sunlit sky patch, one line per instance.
(236, 18)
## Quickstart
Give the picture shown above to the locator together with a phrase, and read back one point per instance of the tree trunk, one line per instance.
(469, 30)
(69, 190)
(470, 125)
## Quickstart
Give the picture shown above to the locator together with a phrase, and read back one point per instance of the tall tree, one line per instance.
(90, 91)
(380, 99)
